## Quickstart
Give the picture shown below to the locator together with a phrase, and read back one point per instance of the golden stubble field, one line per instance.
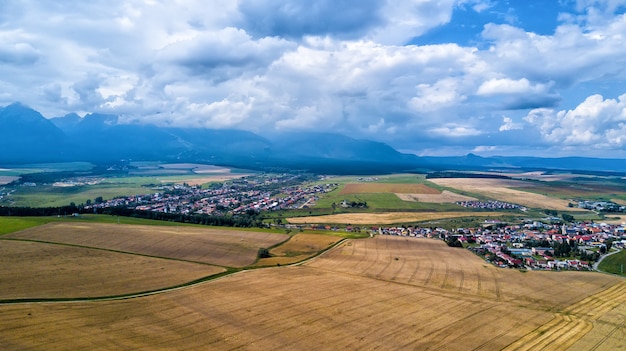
(501, 189)
(37, 270)
(299, 247)
(231, 248)
(380, 293)
(388, 217)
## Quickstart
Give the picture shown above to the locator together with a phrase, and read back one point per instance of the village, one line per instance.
(533, 246)
(239, 196)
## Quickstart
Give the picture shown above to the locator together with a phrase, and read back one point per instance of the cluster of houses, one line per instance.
(515, 245)
(491, 205)
(290, 197)
(251, 193)
(604, 206)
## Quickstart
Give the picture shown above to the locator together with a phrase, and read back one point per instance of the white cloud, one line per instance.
(411, 18)
(509, 86)
(595, 122)
(484, 148)
(455, 131)
(442, 94)
(221, 114)
(340, 65)
(573, 54)
(18, 54)
(509, 124)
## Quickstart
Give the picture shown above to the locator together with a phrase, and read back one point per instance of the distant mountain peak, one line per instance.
(18, 111)
(108, 120)
(17, 107)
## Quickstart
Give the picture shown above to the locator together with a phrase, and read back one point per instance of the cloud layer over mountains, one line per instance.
(432, 77)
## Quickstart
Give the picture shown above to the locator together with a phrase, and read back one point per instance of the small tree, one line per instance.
(454, 242)
(263, 253)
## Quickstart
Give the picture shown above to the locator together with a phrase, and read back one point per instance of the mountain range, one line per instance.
(28, 137)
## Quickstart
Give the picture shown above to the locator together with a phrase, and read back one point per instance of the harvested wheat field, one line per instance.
(229, 248)
(578, 303)
(445, 197)
(361, 188)
(388, 217)
(500, 189)
(299, 247)
(380, 293)
(38, 270)
(432, 264)
(291, 308)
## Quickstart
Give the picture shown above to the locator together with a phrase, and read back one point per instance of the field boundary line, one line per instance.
(121, 296)
(229, 271)
(111, 250)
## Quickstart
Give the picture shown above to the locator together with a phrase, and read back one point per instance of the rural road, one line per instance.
(595, 265)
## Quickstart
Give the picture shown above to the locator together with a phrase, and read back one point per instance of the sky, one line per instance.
(430, 77)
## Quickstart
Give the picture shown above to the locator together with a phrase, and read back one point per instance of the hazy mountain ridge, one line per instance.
(100, 138)
(29, 137)
(25, 133)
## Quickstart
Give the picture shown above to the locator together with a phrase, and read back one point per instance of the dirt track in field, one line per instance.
(299, 247)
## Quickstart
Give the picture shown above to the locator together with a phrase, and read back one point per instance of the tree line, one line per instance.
(249, 220)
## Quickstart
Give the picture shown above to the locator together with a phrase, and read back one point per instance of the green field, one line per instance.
(13, 224)
(382, 202)
(45, 167)
(615, 263)
(55, 196)
(51, 196)
(110, 184)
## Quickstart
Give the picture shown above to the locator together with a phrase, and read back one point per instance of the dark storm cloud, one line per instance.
(294, 19)
(18, 54)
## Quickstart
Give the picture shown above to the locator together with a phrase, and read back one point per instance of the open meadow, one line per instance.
(379, 293)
